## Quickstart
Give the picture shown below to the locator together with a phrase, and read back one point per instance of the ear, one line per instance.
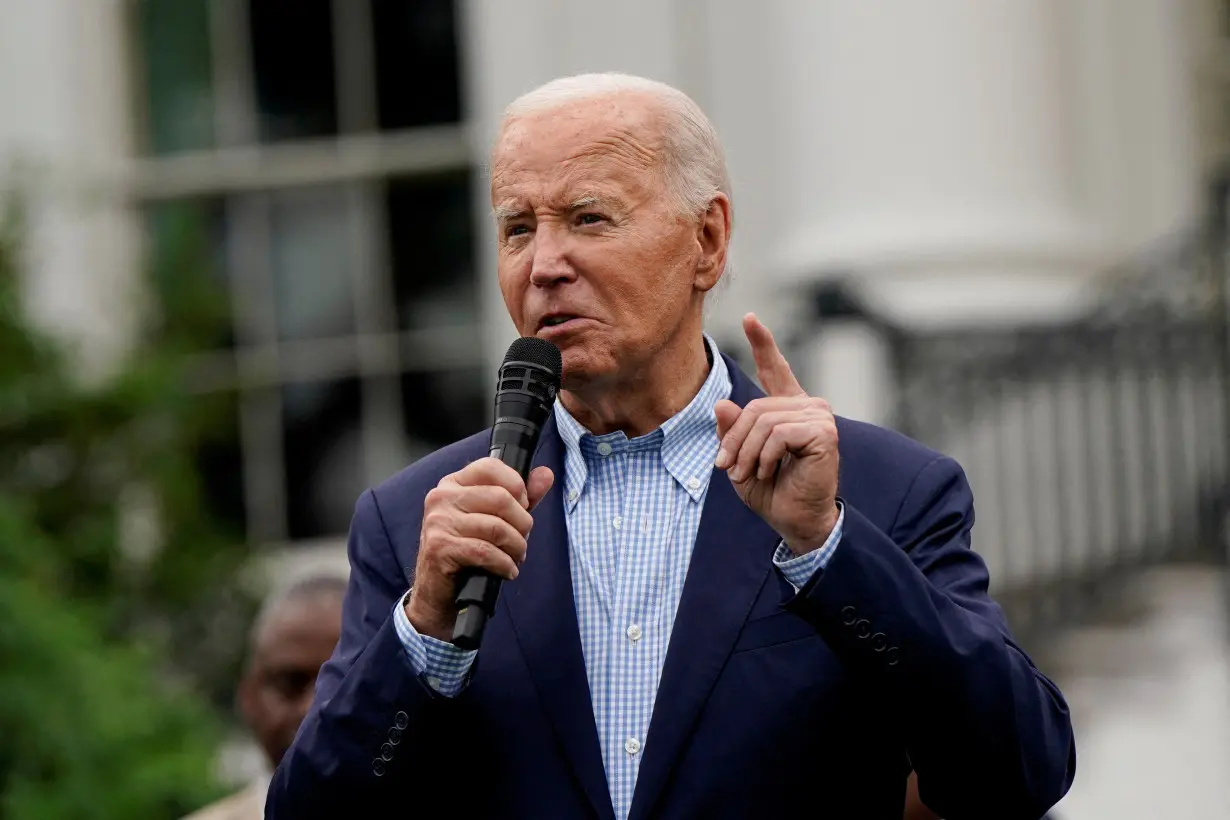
(713, 238)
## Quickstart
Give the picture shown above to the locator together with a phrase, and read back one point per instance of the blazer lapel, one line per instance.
(731, 558)
(543, 613)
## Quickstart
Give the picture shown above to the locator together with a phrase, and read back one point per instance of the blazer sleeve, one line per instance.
(363, 746)
(909, 612)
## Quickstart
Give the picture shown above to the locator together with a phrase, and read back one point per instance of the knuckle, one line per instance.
(471, 553)
(494, 531)
(434, 522)
(436, 496)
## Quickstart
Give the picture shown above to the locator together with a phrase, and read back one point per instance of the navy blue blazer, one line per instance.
(771, 703)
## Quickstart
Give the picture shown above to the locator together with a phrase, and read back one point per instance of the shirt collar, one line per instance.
(688, 439)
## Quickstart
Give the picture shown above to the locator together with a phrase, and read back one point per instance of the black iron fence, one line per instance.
(1095, 446)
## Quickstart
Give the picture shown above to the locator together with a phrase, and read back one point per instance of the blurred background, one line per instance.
(246, 272)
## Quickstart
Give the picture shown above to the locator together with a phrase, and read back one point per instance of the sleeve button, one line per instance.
(848, 615)
(401, 720)
(378, 767)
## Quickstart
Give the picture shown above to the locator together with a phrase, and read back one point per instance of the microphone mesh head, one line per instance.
(536, 351)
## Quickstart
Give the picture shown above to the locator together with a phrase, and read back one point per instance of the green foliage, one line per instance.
(112, 573)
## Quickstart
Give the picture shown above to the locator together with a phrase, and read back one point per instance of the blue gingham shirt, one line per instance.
(632, 508)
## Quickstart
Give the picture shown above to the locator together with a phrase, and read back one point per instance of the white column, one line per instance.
(64, 88)
(931, 147)
(1135, 76)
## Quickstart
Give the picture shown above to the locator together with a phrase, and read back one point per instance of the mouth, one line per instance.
(554, 323)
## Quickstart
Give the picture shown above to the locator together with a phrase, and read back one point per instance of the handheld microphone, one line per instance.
(529, 379)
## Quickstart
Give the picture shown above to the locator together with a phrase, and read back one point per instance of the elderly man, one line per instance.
(292, 637)
(706, 617)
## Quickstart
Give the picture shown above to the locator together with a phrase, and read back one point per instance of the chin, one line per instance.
(582, 368)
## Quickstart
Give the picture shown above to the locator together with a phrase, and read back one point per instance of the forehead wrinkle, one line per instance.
(576, 170)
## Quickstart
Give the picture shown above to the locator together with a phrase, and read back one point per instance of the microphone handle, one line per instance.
(513, 441)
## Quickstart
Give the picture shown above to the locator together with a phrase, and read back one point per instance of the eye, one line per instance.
(516, 230)
(291, 683)
(590, 218)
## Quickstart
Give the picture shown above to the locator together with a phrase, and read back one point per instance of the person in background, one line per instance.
(292, 637)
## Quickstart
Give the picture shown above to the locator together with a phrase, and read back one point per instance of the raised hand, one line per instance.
(780, 451)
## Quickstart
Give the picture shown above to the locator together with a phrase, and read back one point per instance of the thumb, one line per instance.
(540, 481)
(727, 414)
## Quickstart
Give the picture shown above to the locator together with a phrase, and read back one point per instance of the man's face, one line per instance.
(276, 692)
(593, 252)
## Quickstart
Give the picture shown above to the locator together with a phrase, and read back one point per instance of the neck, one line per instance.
(640, 403)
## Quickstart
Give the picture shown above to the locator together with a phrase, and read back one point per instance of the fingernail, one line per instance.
(723, 459)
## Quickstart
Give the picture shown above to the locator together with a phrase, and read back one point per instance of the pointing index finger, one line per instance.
(772, 369)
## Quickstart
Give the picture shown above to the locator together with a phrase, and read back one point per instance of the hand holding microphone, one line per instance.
(477, 520)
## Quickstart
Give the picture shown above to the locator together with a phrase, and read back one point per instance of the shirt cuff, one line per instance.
(445, 667)
(799, 569)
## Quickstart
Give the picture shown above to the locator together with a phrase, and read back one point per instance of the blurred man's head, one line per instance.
(291, 639)
(613, 215)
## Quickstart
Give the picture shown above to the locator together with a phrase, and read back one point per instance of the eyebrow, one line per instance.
(590, 200)
(503, 213)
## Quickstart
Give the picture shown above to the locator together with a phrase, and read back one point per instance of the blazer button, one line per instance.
(401, 720)
(394, 736)
(378, 767)
(848, 615)
(386, 751)
(879, 641)
(892, 656)
(862, 628)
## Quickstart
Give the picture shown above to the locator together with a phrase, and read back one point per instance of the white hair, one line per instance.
(318, 586)
(693, 162)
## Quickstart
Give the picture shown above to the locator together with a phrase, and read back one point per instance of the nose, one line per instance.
(550, 266)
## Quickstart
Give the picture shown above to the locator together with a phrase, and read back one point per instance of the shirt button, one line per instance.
(634, 632)
(693, 483)
(632, 745)
(572, 495)
(604, 449)
(434, 683)
(618, 522)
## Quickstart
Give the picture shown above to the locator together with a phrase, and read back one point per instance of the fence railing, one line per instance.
(1095, 447)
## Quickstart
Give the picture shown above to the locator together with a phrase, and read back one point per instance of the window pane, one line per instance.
(443, 406)
(187, 273)
(321, 434)
(431, 237)
(293, 64)
(177, 90)
(417, 76)
(219, 463)
(311, 263)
